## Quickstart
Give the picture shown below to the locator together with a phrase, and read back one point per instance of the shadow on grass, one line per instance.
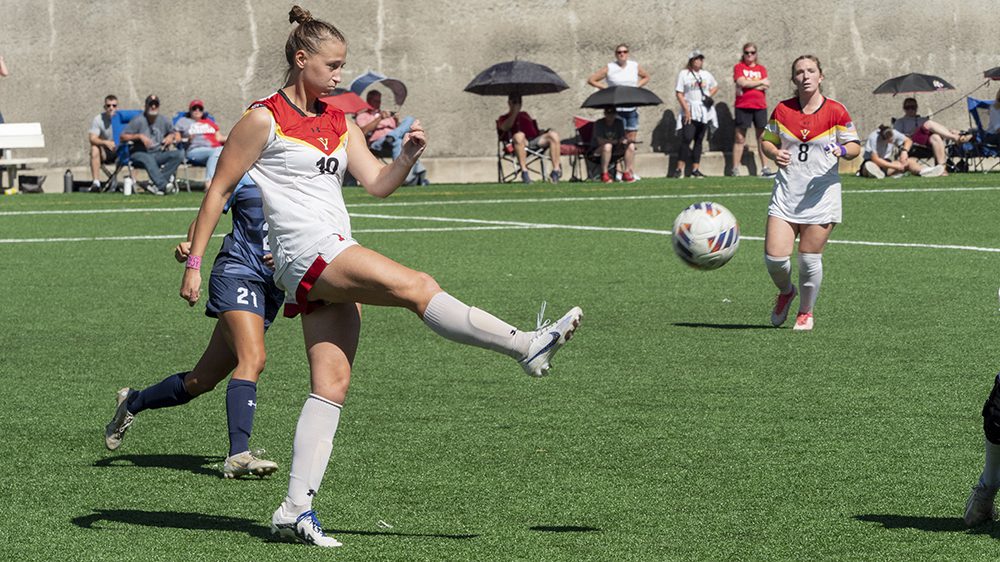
(205, 522)
(564, 529)
(173, 520)
(930, 524)
(724, 326)
(195, 464)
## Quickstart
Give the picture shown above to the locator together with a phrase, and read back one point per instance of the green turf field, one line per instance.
(676, 425)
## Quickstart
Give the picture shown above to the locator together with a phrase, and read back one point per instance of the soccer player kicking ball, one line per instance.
(242, 295)
(297, 150)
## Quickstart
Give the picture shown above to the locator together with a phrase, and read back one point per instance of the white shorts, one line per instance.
(816, 206)
(298, 276)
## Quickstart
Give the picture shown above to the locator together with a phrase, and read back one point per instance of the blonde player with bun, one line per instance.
(297, 150)
(807, 135)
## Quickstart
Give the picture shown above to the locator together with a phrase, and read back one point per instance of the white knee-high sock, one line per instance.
(810, 278)
(311, 452)
(780, 270)
(991, 471)
(455, 320)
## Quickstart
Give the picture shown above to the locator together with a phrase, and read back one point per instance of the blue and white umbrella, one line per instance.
(361, 83)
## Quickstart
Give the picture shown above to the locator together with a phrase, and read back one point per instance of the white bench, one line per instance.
(19, 135)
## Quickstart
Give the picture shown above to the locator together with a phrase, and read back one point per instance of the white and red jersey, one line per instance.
(807, 191)
(300, 173)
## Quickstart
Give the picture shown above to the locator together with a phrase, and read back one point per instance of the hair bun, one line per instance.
(298, 15)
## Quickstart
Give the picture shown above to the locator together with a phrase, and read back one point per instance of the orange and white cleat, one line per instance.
(782, 305)
(804, 321)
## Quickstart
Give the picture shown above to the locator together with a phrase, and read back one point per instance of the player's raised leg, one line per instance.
(331, 335)
(980, 506)
(214, 365)
(361, 275)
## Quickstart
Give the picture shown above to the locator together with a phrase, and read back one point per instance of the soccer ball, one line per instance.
(706, 235)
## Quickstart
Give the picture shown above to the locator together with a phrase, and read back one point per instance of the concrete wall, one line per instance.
(65, 55)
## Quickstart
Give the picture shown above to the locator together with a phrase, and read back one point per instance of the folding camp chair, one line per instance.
(507, 164)
(123, 160)
(584, 163)
(972, 155)
(185, 167)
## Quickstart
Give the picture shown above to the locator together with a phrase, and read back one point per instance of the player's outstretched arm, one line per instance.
(379, 180)
(242, 149)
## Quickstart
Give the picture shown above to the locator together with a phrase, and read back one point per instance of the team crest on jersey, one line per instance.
(325, 142)
(805, 134)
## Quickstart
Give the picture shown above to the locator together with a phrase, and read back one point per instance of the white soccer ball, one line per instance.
(706, 235)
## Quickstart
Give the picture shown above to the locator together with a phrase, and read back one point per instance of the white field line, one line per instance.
(511, 201)
(501, 225)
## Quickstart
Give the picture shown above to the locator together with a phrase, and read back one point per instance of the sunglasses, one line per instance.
(197, 108)
(749, 52)
(621, 52)
(110, 105)
(153, 104)
(909, 108)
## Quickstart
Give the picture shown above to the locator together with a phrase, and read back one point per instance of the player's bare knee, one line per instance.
(420, 289)
(253, 364)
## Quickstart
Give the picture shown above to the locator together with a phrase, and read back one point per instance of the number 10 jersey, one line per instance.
(300, 173)
(807, 191)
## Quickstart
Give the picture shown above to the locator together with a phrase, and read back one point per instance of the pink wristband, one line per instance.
(193, 262)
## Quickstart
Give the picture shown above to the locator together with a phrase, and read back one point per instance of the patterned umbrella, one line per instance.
(913, 83)
(369, 78)
(516, 77)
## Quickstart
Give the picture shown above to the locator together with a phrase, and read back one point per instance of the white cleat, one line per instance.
(304, 528)
(548, 339)
(247, 463)
(114, 432)
(980, 509)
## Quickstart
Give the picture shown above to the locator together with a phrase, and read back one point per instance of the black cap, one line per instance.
(151, 98)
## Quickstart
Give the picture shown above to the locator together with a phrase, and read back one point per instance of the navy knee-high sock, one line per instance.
(164, 394)
(241, 403)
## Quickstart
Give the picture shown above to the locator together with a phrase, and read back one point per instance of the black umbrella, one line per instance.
(913, 83)
(993, 73)
(516, 77)
(621, 96)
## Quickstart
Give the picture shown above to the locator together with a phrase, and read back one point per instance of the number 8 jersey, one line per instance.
(807, 191)
(300, 173)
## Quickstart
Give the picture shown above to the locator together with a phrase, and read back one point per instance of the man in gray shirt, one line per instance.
(154, 135)
(102, 140)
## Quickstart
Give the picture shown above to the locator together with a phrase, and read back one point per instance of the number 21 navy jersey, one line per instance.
(243, 249)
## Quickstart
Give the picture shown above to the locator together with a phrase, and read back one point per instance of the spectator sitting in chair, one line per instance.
(887, 153)
(610, 137)
(203, 137)
(102, 140)
(925, 132)
(519, 128)
(154, 135)
(381, 127)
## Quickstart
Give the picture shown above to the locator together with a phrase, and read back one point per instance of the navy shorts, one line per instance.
(229, 293)
(745, 118)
